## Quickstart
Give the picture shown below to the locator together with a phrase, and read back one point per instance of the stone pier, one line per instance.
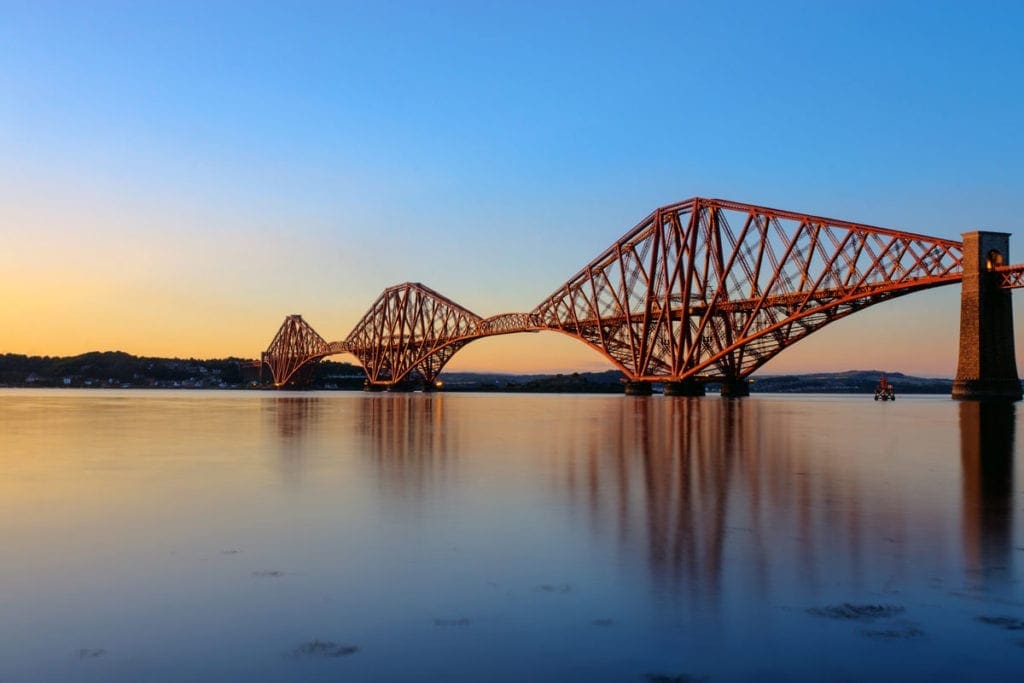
(987, 367)
(638, 388)
(735, 388)
(687, 387)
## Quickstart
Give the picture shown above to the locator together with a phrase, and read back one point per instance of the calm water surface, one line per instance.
(187, 536)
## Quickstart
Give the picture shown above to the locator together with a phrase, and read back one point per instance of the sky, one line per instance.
(176, 178)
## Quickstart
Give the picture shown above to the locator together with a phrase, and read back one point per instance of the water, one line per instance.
(172, 536)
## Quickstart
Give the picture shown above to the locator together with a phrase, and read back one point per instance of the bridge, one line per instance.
(704, 290)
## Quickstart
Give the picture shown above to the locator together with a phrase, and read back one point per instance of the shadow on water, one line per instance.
(987, 433)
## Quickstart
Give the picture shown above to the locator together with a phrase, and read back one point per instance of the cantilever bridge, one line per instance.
(698, 291)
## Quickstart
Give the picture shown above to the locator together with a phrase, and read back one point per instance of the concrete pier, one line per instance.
(735, 388)
(638, 388)
(987, 367)
(687, 387)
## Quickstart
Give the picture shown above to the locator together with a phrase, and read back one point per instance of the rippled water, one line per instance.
(152, 536)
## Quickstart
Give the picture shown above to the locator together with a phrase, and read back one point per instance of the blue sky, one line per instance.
(208, 168)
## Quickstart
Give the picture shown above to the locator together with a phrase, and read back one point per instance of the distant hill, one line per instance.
(849, 382)
(607, 382)
(119, 369)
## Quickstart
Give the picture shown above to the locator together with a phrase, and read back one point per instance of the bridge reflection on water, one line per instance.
(492, 537)
(778, 495)
(987, 440)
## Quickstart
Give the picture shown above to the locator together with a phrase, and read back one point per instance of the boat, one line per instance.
(885, 391)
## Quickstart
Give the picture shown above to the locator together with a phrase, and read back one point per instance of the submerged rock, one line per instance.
(907, 633)
(851, 612)
(560, 588)
(677, 678)
(324, 648)
(1008, 623)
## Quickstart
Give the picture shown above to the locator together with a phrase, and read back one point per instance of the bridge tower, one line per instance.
(987, 368)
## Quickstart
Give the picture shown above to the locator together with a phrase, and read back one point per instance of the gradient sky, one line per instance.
(175, 178)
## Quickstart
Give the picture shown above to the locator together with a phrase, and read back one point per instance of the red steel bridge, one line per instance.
(705, 290)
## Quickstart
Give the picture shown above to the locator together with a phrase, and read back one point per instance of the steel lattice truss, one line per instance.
(706, 289)
(294, 350)
(1010, 277)
(714, 289)
(410, 331)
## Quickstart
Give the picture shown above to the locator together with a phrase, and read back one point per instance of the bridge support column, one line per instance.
(735, 388)
(638, 388)
(687, 387)
(370, 386)
(987, 367)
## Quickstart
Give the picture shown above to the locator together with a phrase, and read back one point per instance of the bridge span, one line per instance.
(704, 290)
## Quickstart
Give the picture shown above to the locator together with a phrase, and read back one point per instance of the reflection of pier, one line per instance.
(409, 438)
(675, 463)
(699, 495)
(986, 450)
(712, 492)
(686, 465)
(292, 415)
(295, 418)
